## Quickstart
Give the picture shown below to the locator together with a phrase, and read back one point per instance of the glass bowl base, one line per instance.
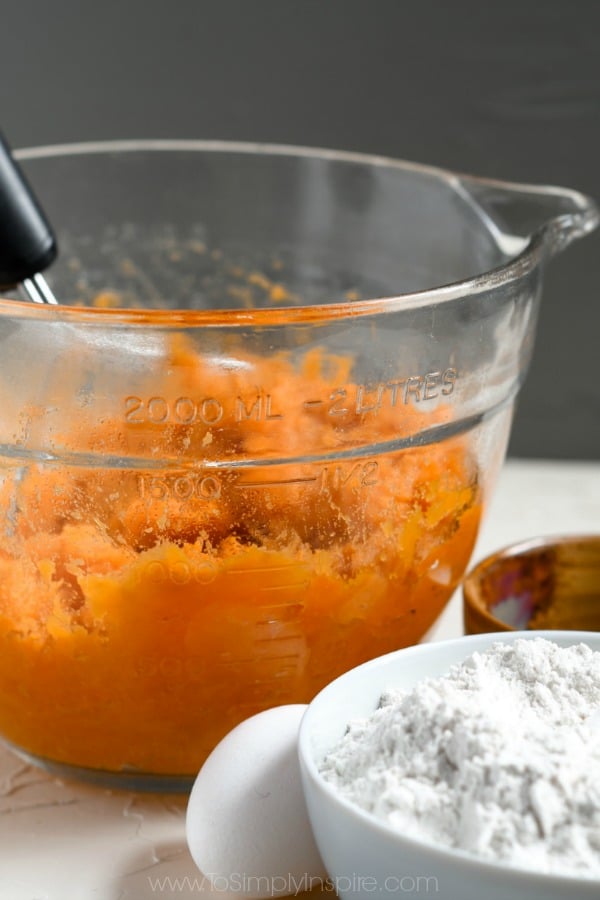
(124, 779)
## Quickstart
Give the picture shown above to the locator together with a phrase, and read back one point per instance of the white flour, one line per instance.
(501, 758)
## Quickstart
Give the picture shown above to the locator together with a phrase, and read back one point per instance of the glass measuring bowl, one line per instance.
(252, 447)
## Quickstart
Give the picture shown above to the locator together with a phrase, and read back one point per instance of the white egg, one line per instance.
(247, 826)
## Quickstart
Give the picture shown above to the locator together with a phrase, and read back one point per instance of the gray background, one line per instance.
(510, 90)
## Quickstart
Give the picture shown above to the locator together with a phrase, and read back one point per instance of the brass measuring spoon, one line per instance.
(27, 242)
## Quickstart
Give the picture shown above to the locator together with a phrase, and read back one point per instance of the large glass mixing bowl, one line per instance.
(252, 446)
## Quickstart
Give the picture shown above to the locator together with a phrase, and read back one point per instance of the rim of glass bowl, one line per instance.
(529, 256)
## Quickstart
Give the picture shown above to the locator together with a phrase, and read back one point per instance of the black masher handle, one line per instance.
(27, 242)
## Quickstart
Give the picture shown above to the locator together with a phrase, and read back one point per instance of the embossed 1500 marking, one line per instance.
(208, 486)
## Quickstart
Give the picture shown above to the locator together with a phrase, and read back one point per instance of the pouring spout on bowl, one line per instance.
(518, 214)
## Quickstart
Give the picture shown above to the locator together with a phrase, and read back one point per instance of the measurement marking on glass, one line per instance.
(279, 637)
(274, 607)
(279, 613)
(282, 567)
(235, 663)
(282, 657)
(284, 481)
(284, 587)
(284, 670)
(272, 615)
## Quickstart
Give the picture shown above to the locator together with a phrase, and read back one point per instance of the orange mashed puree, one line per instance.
(146, 609)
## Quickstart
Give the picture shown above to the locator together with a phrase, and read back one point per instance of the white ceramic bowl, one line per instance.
(367, 858)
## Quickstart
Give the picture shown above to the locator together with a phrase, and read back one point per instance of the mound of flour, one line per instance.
(500, 758)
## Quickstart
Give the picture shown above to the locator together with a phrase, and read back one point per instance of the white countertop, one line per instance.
(62, 840)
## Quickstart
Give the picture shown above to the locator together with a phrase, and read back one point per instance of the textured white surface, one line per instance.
(64, 841)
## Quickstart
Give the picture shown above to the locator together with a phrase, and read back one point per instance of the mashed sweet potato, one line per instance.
(149, 605)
